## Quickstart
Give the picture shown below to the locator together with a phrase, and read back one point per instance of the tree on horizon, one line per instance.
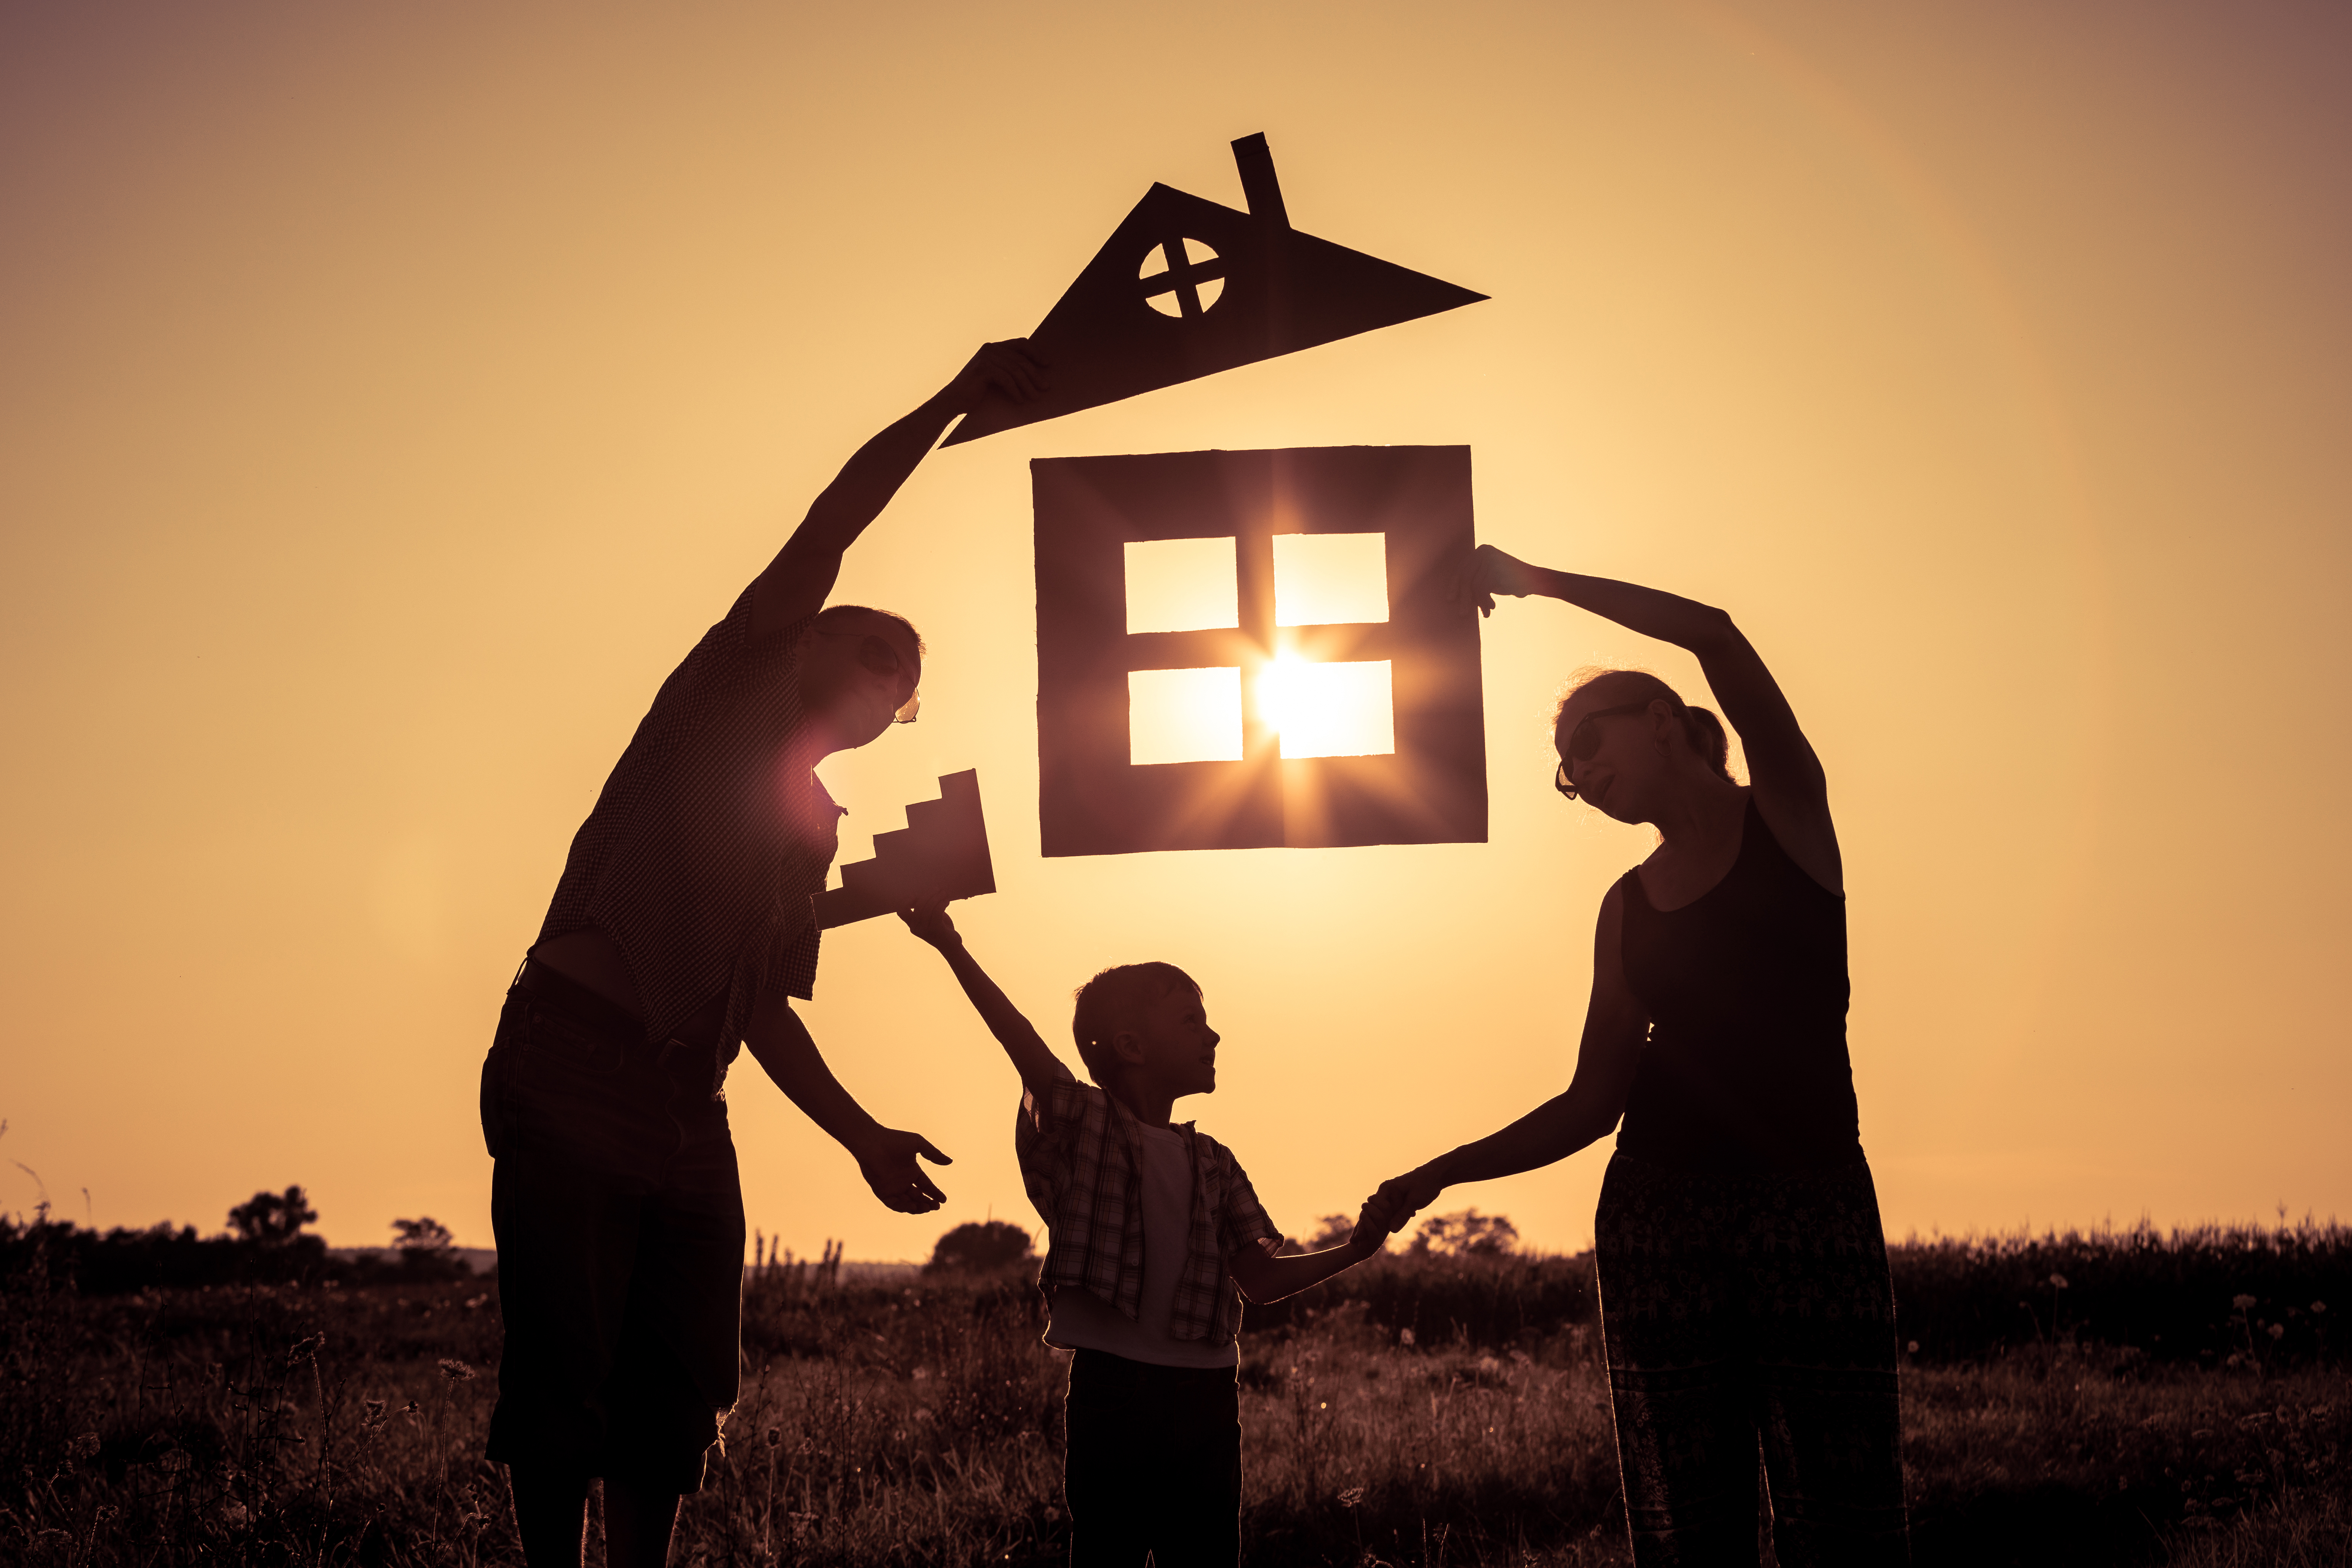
(272, 1219)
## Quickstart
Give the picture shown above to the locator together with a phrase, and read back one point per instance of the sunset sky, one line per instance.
(390, 394)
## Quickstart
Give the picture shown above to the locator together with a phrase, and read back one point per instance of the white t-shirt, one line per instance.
(1080, 1319)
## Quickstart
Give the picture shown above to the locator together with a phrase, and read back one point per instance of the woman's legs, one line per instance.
(1740, 1310)
(1822, 1313)
(1680, 1386)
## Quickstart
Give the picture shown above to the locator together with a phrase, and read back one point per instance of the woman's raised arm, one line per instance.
(1792, 789)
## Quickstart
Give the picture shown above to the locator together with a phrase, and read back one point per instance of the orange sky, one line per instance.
(393, 393)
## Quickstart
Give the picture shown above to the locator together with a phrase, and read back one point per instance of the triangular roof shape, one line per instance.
(1186, 287)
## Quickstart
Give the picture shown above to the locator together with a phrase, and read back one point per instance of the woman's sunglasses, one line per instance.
(1584, 741)
(880, 658)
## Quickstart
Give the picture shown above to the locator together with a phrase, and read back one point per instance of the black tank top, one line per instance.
(1745, 1065)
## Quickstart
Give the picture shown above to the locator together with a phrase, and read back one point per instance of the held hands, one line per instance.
(1364, 1241)
(930, 922)
(1490, 572)
(1399, 1199)
(887, 1161)
(1008, 367)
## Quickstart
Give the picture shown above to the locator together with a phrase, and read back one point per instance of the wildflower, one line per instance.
(2319, 1306)
(474, 1301)
(1351, 1497)
(233, 1513)
(1404, 1336)
(2242, 1303)
(84, 1446)
(371, 1414)
(456, 1371)
(2275, 1329)
(1913, 1347)
(2058, 1283)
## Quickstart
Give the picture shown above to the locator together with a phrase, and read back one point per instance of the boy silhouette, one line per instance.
(681, 928)
(1154, 1235)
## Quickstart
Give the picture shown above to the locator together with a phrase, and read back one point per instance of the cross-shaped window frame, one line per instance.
(1092, 801)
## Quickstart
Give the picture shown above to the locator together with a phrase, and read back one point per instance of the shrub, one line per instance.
(980, 1248)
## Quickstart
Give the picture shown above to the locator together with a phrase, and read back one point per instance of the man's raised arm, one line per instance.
(796, 582)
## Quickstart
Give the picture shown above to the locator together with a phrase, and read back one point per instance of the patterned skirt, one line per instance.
(1751, 1314)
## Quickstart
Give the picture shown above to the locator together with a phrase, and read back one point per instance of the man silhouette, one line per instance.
(682, 927)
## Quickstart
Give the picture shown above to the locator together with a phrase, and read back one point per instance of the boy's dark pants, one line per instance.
(1155, 1464)
(620, 1231)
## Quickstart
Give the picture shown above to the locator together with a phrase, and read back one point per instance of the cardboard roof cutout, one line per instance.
(941, 854)
(1186, 287)
(1405, 653)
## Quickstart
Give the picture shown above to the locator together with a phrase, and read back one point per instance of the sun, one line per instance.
(1334, 709)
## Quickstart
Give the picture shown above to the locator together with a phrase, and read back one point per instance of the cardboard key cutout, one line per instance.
(941, 854)
(1186, 287)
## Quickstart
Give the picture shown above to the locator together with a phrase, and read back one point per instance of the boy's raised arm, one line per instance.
(1031, 1056)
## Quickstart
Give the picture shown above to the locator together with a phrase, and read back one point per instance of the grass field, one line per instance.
(1422, 1411)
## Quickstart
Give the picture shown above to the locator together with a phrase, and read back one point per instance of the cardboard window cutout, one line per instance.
(940, 855)
(1186, 287)
(1364, 731)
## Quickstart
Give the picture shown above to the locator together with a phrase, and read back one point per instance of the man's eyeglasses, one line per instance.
(1584, 741)
(880, 658)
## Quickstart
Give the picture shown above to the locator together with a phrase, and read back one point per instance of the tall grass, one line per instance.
(1429, 1412)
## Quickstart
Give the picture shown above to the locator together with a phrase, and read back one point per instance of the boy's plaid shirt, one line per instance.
(1082, 1162)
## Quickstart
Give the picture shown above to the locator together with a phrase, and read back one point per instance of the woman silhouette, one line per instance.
(1745, 1298)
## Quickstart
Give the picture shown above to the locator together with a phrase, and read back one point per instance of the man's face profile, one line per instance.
(856, 673)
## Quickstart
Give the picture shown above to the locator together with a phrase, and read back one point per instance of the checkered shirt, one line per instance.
(704, 850)
(1082, 1160)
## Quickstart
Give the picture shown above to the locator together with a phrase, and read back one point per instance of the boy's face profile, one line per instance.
(1171, 1051)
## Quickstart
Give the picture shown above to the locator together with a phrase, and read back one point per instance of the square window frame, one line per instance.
(1091, 801)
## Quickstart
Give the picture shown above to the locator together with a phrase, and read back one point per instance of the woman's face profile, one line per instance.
(1617, 776)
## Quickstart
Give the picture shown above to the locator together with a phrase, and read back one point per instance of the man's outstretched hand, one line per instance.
(1009, 367)
(887, 1161)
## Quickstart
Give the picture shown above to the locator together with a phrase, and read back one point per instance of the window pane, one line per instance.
(1331, 709)
(1181, 585)
(1184, 715)
(1329, 579)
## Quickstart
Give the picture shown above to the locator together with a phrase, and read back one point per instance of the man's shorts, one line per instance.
(620, 1234)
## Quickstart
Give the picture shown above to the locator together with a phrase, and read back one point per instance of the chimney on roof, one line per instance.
(1259, 187)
